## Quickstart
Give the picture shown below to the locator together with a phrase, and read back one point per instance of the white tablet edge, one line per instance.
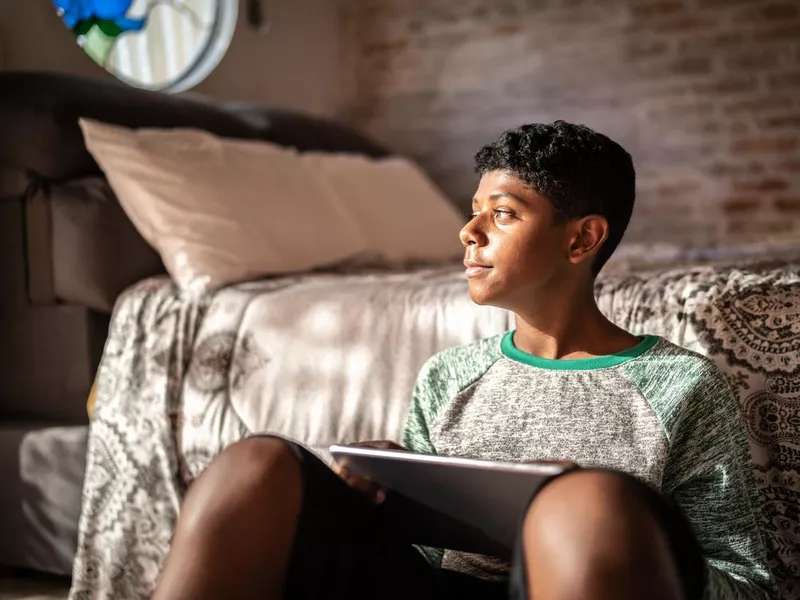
(534, 468)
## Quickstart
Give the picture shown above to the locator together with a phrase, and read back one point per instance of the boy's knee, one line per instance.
(266, 464)
(246, 475)
(584, 502)
(590, 530)
(258, 460)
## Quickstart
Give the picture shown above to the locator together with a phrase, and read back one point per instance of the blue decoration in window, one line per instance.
(109, 15)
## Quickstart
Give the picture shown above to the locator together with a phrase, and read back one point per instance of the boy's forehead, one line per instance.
(499, 182)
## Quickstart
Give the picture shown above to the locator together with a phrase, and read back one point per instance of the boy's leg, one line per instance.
(602, 534)
(269, 520)
(236, 527)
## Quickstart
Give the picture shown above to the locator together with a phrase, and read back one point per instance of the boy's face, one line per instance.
(514, 250)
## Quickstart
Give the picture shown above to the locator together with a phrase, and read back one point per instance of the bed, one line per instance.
(331, 356)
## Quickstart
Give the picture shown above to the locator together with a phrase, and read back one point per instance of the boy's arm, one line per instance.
(416, 436)
(710, 477)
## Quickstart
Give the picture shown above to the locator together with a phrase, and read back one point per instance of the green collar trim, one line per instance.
(577, 364)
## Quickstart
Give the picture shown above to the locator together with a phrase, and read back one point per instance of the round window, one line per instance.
(168, 45)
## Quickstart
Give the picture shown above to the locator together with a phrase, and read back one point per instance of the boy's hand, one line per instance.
(375, 492)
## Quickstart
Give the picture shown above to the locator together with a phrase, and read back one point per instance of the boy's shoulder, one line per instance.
(460, 365)
(667, 356)
(678, 382)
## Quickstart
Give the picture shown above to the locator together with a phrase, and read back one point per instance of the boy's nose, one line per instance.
(470, 234)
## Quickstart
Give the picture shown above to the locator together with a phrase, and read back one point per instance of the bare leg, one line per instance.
(588, 536)
(236, 527)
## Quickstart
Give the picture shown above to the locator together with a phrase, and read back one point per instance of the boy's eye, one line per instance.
(503, 214)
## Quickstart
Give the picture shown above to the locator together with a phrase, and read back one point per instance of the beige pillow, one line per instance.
(221, 211)
(398, 210)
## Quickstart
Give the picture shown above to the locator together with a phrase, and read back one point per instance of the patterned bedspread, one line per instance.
(332, 358)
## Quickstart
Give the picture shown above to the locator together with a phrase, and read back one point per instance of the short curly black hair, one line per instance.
(580, 171)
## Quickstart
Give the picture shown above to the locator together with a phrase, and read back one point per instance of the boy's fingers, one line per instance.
(362, 484)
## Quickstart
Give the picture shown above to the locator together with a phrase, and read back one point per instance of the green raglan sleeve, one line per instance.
(442, 377)
(416, 435)
(709, 471)
(709, 474)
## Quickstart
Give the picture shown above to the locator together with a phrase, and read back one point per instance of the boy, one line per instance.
(268, 520)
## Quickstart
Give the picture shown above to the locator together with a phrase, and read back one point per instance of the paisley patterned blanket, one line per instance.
(324, 358)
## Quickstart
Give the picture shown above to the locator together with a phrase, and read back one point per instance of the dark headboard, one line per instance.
(39, 121)
(64, 256)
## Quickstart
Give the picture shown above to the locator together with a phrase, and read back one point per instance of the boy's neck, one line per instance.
(570, 329)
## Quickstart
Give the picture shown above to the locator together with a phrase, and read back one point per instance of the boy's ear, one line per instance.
(588, 235)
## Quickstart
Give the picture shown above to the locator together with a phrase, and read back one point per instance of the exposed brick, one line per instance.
(740, 204)
(790, 165)
(677, 188)
(739, 128)
(763, 229)
(687, 66)
(762, 185)
(724, 3)
(685, 24)
(645, 48)
(507, 29)
(752, 60)
(657, 8)
(675, 110)
(725, 86)
(699, 65)
(790, 31)
(704, 44)
(758, 104)
(789, 121)
(727, 170)
(785, 81)
(763, 145)
(788, 205)
(709, 107)
(385, 47)
(777, 11)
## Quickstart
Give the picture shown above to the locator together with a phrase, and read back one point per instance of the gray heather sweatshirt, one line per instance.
(657, 411)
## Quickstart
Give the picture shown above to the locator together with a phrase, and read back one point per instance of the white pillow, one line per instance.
(221, 211)
(402, 215)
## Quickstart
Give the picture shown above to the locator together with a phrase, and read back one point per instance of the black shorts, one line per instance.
(347, 547)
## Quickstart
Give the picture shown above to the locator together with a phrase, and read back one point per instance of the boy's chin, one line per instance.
(482, 297)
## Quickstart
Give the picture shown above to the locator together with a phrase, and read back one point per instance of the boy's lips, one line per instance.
(475, 269)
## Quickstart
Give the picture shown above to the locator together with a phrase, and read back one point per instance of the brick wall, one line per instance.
(705, 94)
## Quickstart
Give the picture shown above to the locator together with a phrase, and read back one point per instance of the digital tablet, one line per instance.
(488, 498)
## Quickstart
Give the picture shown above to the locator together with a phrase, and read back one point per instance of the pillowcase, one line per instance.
(400, 213)
(220, 211)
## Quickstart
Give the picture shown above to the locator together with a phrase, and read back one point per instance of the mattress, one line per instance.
(322, 359)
